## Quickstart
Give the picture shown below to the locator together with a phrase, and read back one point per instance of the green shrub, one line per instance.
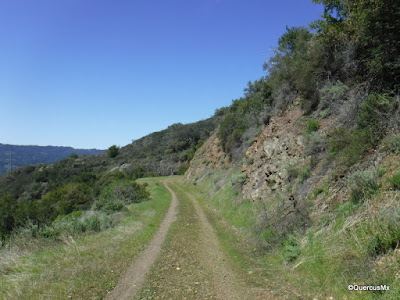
(333, 93)
(348, 145)
(74, 155)
(77, 224)
(242, 119)
(125, 191)
(311, 126)
(385, 230)
(291, 248)
(108, 206)
(305, 174)
(395, 181)
(113, 151)
(237, 181)
(183, 168)
(392, 143)
(363, 184)
(374, 114)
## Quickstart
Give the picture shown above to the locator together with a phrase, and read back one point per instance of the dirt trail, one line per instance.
(130, 283)
(226, 284)
(192, 264)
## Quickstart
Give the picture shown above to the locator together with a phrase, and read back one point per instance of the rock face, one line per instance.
(267, 163)
(278, 148)
(209, 158)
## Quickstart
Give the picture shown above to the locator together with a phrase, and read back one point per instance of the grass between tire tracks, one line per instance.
(87, 266)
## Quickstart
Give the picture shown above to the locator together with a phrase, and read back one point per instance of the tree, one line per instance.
(113, 151)
(7, 216)
(373, 27)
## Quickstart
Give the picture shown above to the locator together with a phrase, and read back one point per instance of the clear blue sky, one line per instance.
(93, 73)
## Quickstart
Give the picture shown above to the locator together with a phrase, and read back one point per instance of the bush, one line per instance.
(113, 151)
(237, 181)
(79, 223)
(348, 145)
(395, 181)
(124, 191)
(386, 231)
(374, 115)
(62, 201)
(392, 143)
(312, 126)
(332, 93)
(108, 206)
(74, 155)
(363, 184)
(305, 174)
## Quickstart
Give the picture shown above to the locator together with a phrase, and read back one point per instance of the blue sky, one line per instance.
(93, 73)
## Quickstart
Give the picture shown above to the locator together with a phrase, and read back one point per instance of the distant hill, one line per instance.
(31, 155)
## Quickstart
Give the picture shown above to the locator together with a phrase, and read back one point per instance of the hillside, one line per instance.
(310, 157)
(38, 194)
(15, 156)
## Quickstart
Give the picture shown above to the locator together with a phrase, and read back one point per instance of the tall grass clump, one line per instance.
(312, 126)
(395, 181)
(363, 184)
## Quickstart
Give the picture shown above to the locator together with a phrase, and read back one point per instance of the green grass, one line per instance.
(395, 181)
(349, 247)
(88, 266)
(312, 126)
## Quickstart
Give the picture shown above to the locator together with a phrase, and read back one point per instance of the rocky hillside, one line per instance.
(312, 153)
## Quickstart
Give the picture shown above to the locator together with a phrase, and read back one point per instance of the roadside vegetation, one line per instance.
(76, 265)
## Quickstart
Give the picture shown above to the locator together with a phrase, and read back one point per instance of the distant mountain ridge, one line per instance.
(31, 155)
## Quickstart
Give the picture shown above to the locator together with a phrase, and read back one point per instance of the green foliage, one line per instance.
(291, 248)
(62, 201)
(363, 184)
(297, 63)
(7, 215)
(77, 223)
(312, 126)
(348, 145)
(74, 156)
(183, 168)
(392, 143)
(113, 151)
(237, 181)
(333, 93)
(306, 173)
(124, 191)
(374, 115)
(243, 118)
(395, 181)
(372, 28)
(385, 232)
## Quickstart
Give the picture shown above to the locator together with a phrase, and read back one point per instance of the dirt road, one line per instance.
(133, 279)
(189, 265)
